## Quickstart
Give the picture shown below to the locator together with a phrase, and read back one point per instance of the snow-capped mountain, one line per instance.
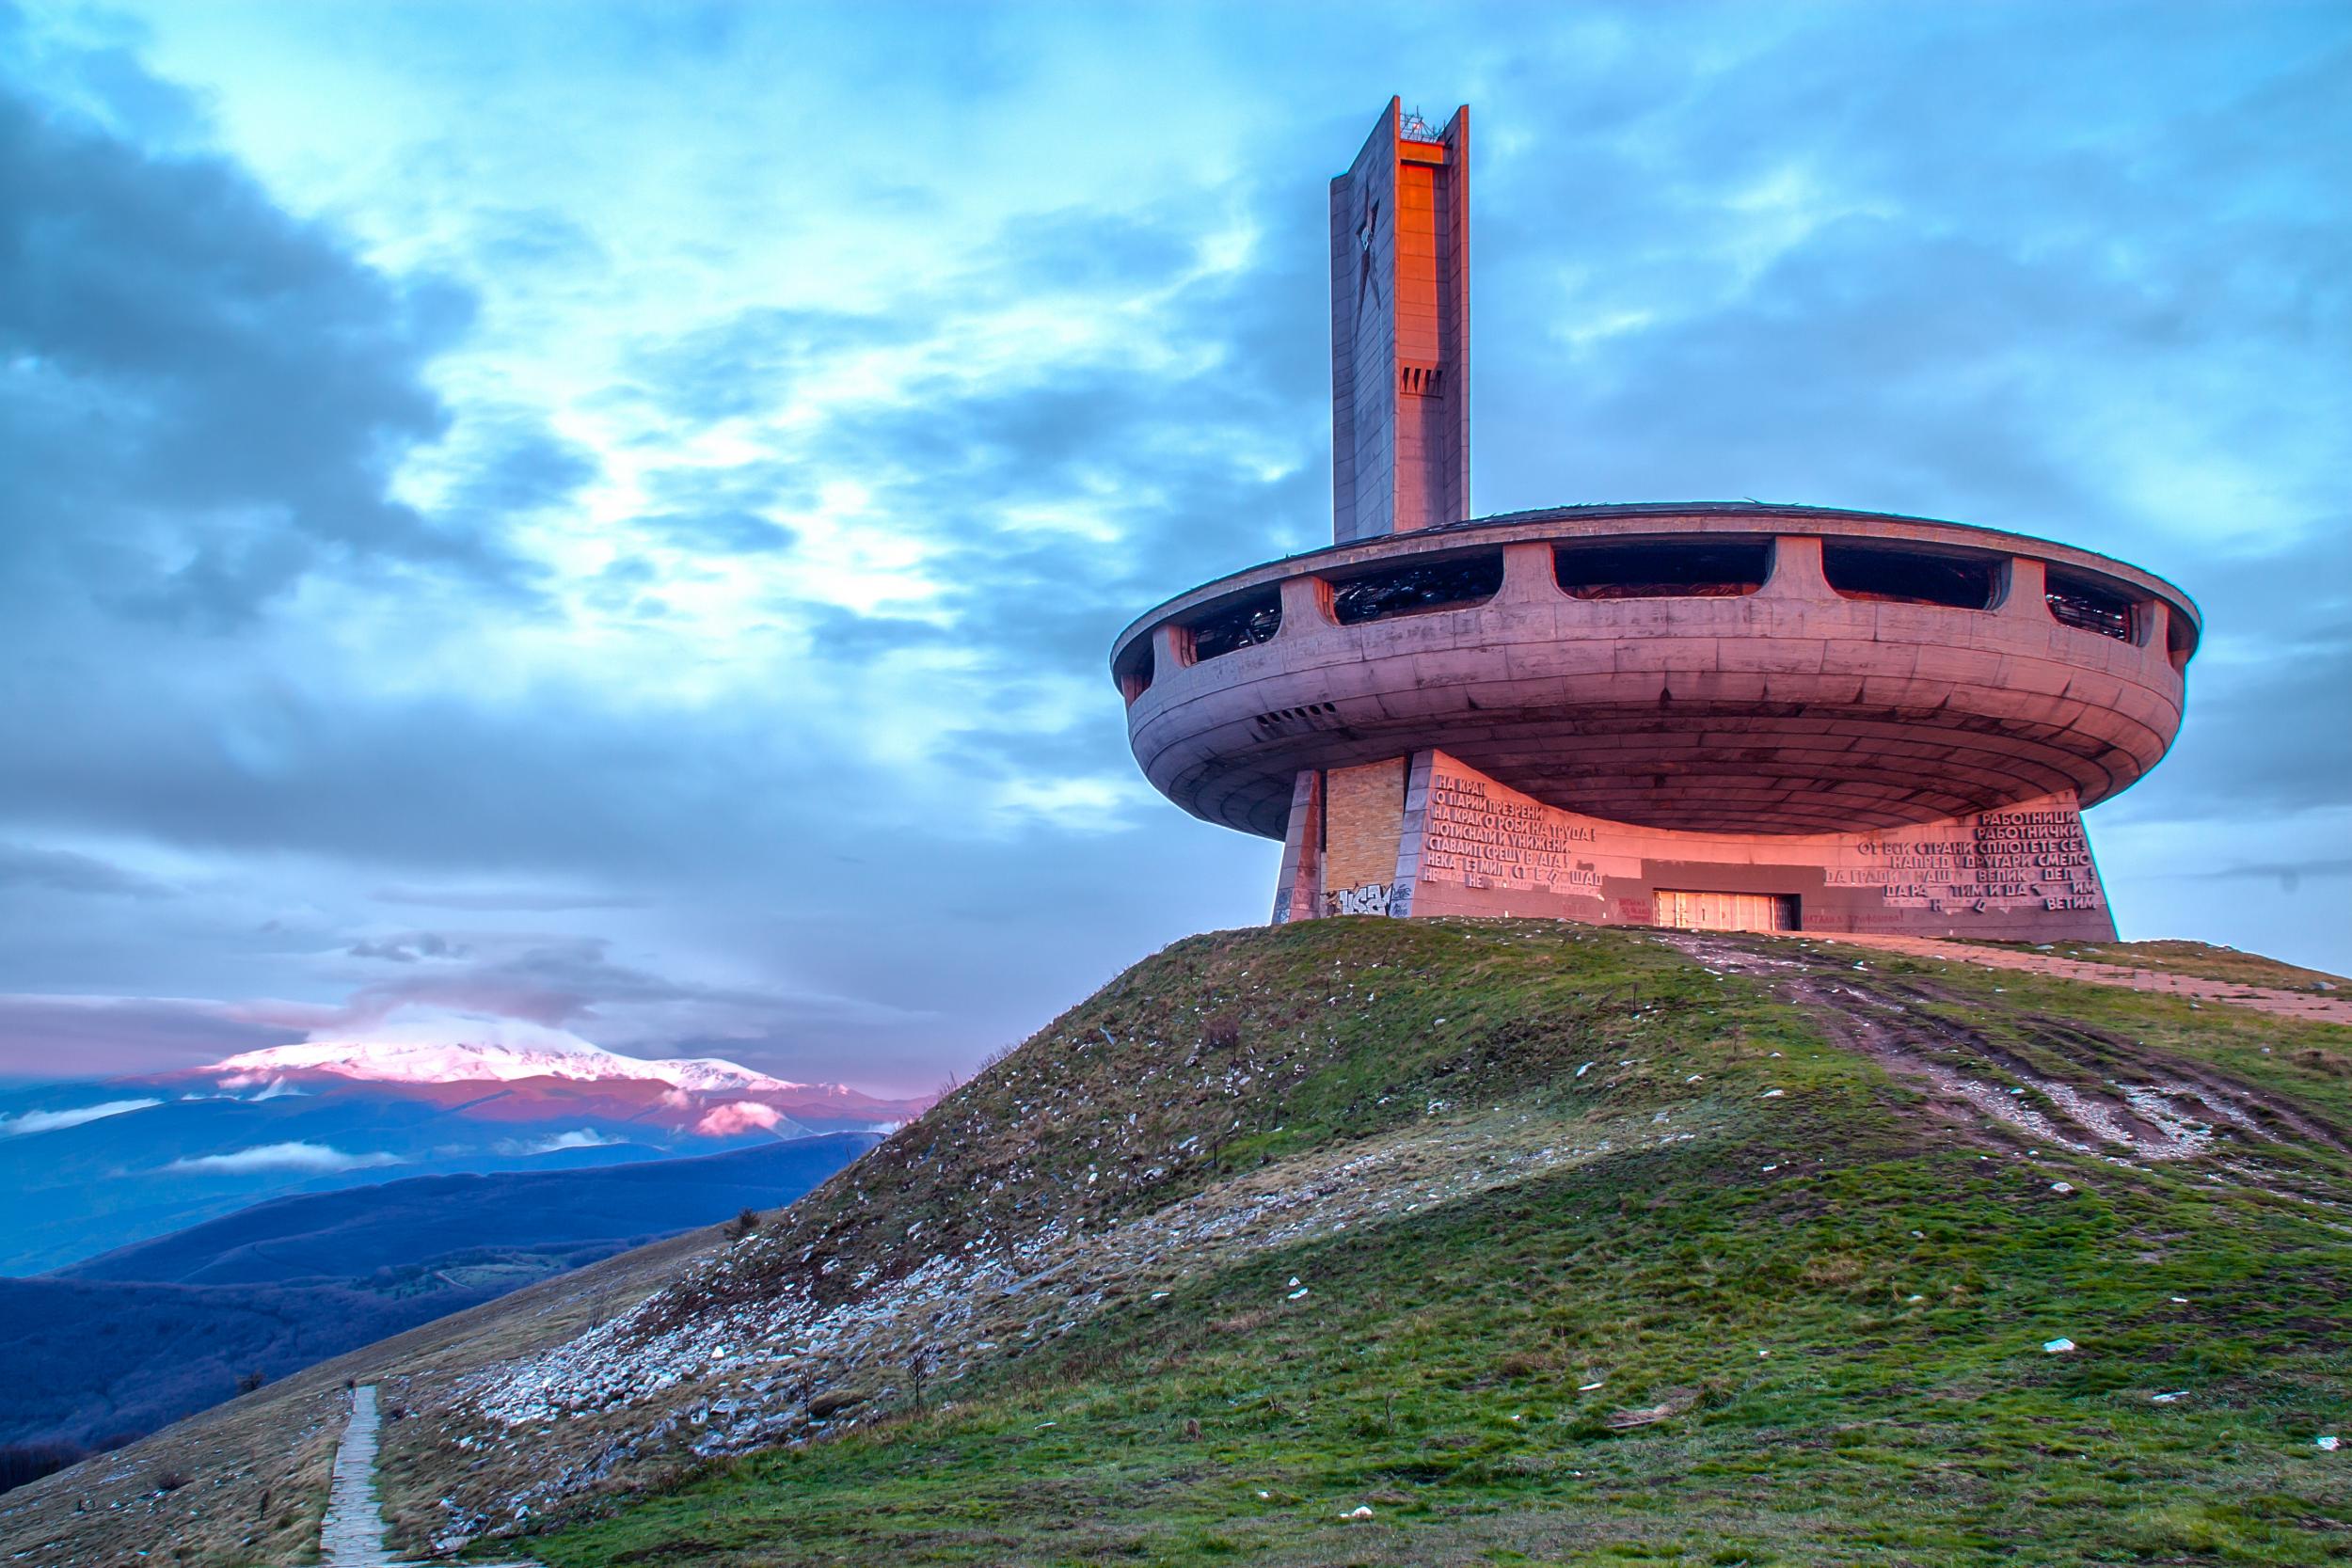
(104, 1163)
(431, 1061)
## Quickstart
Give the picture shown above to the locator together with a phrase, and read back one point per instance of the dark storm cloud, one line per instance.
(459, 788)
(553, 983)
(63, 871)
(522, 467)
(204, 396)
(575, 983)
(410, 948)
(751, 360)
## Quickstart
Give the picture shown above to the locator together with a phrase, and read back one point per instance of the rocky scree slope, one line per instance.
(1464, 1238)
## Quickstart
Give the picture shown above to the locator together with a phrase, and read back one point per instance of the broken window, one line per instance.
(1134, 671)
(1907, 577)
(2180, 639)
(1412, 590)
(1241, 623)
(2087, 607)
(1682, 569)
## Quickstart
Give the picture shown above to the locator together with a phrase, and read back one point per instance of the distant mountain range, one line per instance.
(98, 1166)
(435, 1061)
(121, 1344)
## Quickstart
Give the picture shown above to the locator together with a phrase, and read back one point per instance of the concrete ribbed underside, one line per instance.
(1704, 767)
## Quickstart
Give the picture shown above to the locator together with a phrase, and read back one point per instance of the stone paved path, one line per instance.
(353, 1536)
(2287, 1004)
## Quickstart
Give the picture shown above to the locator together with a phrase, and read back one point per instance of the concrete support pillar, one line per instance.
(1298, 887)
(1171, 650)
(1528, 575)
(1796, 569)
(1306, 606)
(2023, 589)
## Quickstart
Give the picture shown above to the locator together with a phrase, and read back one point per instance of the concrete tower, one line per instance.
(1707, 713)
(1400, 329)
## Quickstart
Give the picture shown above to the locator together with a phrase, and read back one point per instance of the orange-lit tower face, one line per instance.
(1400, 329)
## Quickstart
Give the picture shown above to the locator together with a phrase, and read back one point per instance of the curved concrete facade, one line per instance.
(1788, 709)
(1708, 714)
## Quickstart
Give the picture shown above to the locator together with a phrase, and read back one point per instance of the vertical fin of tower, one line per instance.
(1400, 329)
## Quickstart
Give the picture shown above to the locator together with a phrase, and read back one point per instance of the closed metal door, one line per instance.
(1691, 911)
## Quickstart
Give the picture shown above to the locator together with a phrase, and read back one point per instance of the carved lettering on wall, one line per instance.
(2004, 858)
(1480, 837)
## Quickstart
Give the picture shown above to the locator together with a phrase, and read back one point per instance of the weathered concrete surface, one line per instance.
(1791, 710)
(1461, 844)
(1400, 329)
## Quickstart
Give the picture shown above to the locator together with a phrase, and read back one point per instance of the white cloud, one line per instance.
(49, 1121)
(579, 1137)
(321, 1158)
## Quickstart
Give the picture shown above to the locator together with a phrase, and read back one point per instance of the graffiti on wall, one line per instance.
(1390, 899)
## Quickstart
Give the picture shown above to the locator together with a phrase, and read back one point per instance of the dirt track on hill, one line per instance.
(2286, 1003)
(2126, 1102)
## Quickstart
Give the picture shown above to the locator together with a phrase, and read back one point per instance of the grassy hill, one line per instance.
(1385, 1242)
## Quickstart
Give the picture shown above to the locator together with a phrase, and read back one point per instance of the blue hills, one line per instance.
(103, 1351)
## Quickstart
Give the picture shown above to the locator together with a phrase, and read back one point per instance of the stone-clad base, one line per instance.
(1428, 835)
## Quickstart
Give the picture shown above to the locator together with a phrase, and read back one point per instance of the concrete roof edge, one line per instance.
(1477, 529)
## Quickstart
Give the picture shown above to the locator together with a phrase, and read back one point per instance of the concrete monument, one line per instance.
(1718, 715)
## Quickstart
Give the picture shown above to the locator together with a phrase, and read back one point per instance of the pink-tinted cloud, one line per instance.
(105, 1036)
(736, 1117)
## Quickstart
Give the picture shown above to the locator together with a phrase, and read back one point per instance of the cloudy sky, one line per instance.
(611, 518)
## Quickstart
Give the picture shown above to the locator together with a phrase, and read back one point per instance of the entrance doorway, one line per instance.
(1728, 911)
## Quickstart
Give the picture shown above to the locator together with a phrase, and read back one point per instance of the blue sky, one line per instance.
(611, 518)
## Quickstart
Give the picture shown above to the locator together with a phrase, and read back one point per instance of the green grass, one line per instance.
(1813, 1411)
(1439, 1381)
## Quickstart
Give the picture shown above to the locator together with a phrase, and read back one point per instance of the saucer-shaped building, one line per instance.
(1716, 714)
